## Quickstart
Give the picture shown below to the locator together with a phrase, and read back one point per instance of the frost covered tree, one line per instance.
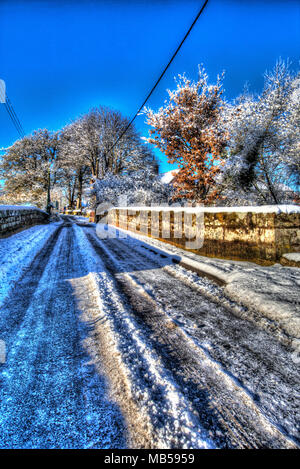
(187, 130)
(74, 168)
(88, 151)
(29, 168)
(68, 184)
(264, 138)
(292, 135)
(94, 136)
(140, 187)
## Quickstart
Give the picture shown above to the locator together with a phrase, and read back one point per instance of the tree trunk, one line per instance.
(269, 183)
(72, 195)
(271, 189)
(48, 205)
(79, 193)
(71, 192)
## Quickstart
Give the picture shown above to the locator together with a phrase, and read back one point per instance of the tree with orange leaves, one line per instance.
(188, 130)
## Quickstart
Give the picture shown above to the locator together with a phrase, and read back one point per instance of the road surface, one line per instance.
(111, 345)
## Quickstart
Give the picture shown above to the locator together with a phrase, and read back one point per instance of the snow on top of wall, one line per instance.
(19, 207)
(243, 209)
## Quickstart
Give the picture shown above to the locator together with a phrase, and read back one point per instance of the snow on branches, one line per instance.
(29, 168)
(263, 148)
(241, 152)
(140, 187)
(68, 160)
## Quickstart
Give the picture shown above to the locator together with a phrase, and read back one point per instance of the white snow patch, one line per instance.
(292, 256)
(81, 219)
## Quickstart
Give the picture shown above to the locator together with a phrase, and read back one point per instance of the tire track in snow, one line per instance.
(27, 285)
(17, 251)
(252, 358)
(169, 419)
(230, 425)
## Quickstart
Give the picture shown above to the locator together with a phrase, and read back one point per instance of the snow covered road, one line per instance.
(51, 394)
(112, 345)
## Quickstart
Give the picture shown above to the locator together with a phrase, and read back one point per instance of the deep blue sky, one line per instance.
(60, 58)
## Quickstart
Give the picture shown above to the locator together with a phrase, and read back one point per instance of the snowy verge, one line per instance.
(271, 291)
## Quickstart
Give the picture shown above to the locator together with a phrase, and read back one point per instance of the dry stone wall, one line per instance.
(248, 236)
(13, 219)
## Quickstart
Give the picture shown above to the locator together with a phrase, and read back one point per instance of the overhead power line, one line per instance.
(11, 112)
(160, 77)
(13, 118)
(8, 102)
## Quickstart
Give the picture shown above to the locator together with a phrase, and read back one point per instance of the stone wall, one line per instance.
(259, 237)
(15, 218)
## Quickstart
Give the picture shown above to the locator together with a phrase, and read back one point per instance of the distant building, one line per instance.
(167, 178)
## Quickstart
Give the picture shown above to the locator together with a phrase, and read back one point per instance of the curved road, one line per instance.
(110, 345)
